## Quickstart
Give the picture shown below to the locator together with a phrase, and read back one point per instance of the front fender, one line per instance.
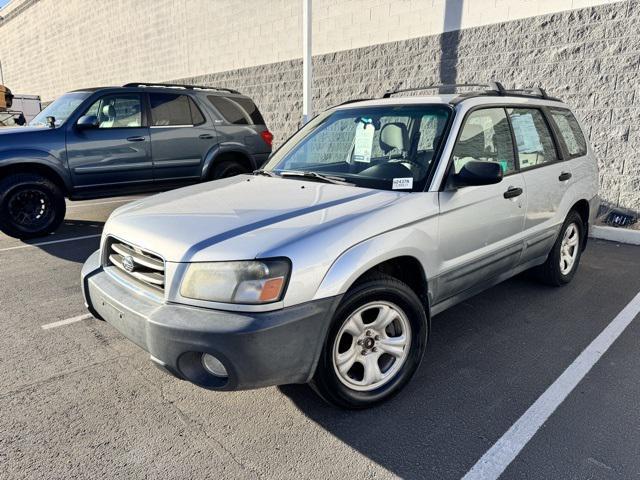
(414, 241)
(32, 156)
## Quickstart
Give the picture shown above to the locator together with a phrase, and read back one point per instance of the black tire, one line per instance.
(228, 168)
(381, 288)
(30, 205)
(551, 272)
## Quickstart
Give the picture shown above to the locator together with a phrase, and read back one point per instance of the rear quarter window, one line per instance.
(237, 110)
(570, 132)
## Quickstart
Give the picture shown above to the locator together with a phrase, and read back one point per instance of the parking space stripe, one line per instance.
(83, 204)
(495, 461)
(50, 242)
(68, 321)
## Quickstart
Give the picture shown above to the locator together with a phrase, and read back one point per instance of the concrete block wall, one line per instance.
(589, 57)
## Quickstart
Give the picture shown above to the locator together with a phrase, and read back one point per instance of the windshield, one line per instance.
(60, 109)
(389, 148)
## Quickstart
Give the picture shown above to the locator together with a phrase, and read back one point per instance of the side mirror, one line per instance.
(87, 121)
(477, 173)
(51, 122)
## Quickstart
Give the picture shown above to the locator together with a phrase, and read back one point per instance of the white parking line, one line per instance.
(83, 204)
(68, 321)
(50, 242)
(494, 462)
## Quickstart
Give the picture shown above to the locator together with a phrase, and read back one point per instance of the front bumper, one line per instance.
(257, 349)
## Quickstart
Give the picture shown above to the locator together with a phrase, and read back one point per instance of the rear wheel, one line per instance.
(228, 168)
(564, 258)
(374, 346)
(30, 205)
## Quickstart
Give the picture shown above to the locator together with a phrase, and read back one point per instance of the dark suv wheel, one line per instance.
(30, 205)
(228, 168)
(374, 346)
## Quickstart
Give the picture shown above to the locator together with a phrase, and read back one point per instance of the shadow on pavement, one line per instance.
(487, 361)
(76, 249)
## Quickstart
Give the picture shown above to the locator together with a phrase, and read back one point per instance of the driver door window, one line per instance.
(485, 137)
(117, 111)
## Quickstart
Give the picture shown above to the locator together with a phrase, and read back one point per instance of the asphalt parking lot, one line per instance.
(79, 401)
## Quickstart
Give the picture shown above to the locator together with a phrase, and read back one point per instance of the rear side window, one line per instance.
(169, 109)
(570, 132)
(533, 138)
(237, 110)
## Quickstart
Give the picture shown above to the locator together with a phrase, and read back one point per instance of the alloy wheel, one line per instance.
(569, 248)
(371, 346)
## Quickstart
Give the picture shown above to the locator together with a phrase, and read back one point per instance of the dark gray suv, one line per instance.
(109, 141)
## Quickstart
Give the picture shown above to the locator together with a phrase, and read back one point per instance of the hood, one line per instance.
(239, 218)
(21, 130)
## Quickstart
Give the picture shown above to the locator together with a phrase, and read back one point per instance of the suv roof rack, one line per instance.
(179, 85)
(491, 88)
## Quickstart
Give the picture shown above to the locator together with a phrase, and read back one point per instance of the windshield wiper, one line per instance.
(316, 176)
(266, 173)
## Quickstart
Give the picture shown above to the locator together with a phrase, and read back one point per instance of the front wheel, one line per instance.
(374, 346)
(564, 258)
(30, 205)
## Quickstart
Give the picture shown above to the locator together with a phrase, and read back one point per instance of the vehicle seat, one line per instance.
(393, 136)
(470, 146)
(107, 116)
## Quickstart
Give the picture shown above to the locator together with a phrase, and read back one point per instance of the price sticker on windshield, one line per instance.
(363, 142)
(402, 183)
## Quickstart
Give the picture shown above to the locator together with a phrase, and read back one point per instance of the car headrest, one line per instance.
(471, 143)
(109, 112)
(393, 135)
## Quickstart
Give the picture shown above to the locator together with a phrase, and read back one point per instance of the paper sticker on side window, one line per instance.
(402, 183)
(363, 142)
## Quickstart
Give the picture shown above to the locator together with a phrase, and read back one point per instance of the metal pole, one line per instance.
(307, 74)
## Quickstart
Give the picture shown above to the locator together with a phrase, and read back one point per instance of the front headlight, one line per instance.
(248, 282)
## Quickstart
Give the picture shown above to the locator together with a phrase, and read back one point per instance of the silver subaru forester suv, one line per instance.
(327, 265)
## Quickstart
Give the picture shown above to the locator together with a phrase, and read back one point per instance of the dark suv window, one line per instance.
(117, 111)
(534, 140)
(237, 110)
(169, 109)
(570, 132)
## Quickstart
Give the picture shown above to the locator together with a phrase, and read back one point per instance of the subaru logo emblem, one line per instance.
(127, 263)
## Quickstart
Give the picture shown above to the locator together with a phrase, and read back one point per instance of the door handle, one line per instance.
(564, 176)
(513, 192)
(135, 139)
(206, 136)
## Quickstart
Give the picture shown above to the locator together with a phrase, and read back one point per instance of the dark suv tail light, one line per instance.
(267, 136)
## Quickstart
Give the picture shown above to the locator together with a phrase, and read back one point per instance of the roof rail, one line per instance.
(388, 93)
(491, 88)
(178, 85)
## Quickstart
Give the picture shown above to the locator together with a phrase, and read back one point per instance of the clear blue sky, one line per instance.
(3, 3)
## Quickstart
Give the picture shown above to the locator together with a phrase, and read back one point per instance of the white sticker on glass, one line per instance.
(402, 183)
(363, 142)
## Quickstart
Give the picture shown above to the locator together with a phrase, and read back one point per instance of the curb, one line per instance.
(621, 235)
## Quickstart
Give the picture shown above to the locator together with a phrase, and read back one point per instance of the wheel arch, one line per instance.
(234, 152)
(582, 208)
(403, 257)
(406, 269)
(39, 167)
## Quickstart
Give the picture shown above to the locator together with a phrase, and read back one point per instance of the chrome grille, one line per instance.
(144, 267)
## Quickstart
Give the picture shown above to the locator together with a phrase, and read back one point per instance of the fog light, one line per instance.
(214, 366)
